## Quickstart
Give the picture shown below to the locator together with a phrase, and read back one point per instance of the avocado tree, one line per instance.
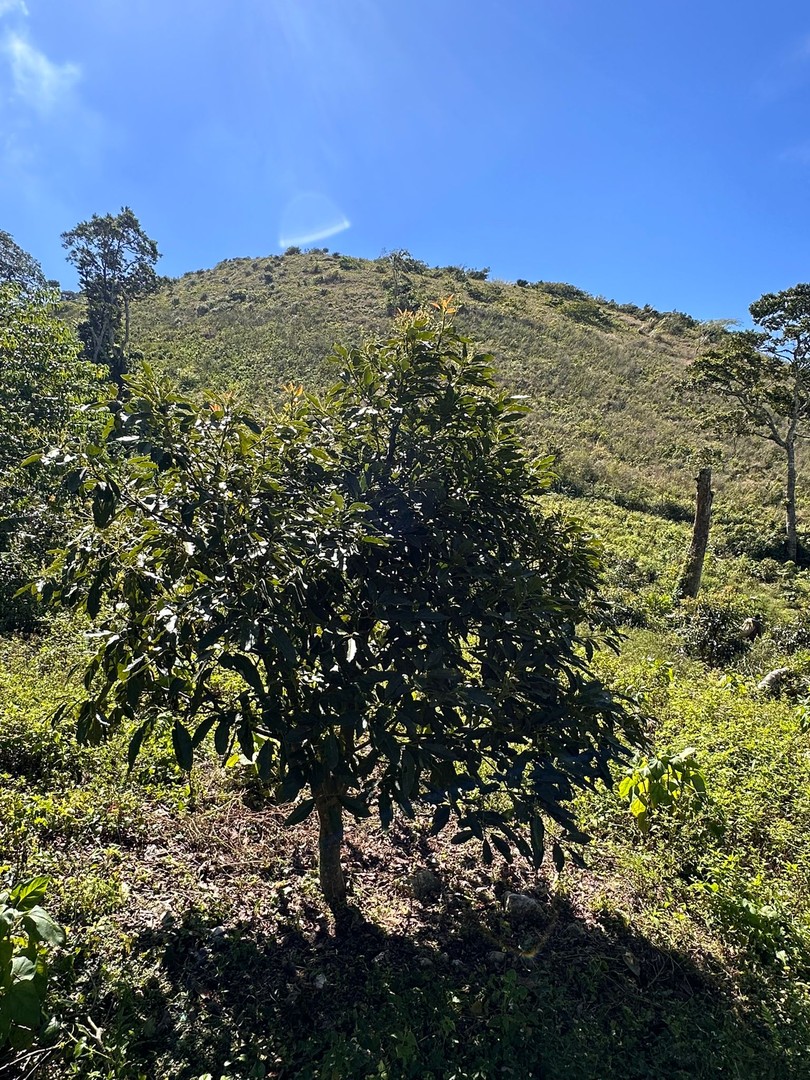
(115, 260)
(762, 379)
(363, 594)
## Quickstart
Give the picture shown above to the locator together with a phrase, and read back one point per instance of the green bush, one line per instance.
(795, 635)
(26, 930)
(711, 630)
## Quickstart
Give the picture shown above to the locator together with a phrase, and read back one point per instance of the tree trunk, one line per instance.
(790, 501)
(125, 346)
(689, 583)
(330, 842)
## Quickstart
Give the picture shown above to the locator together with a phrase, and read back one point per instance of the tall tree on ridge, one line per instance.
(116, 263)
(763, 379)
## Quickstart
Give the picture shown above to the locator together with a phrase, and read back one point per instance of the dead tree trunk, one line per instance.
(689, 582)
(790, 502)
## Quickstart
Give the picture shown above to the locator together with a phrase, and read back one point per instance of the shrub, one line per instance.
(795, 635)
(712, 630)
(26, 931)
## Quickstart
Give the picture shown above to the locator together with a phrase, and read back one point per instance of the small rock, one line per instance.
(218, 932)
(775, 681)
(496, 958)
(520, 904)
(425, 885)
(319, 981)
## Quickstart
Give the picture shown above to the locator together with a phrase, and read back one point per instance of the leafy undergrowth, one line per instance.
(199, 946)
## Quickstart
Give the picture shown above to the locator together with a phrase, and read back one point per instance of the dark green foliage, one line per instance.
(560, 290)
(363, 594)
(41, 383)
(19, 268)
(712, 631)
(115, 260)
(795, 635)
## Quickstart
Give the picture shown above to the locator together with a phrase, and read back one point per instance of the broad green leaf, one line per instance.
(183, 746)
(300, 813)
(29, 892)
(41, 926)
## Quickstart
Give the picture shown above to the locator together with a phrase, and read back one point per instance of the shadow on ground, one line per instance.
(470, 992)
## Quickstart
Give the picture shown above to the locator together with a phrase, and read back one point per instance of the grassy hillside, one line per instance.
(199, 946)
(603, 378)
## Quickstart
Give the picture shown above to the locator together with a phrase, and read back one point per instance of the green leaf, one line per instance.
(222, 735)
(244, 736)
(626, 786)
(537, 832)
(239, 663)
(300, 813)
(30, 892)
(214, 633)
(40, 926)
(183, 746)
(358, 807)
(503, 846)
(385, 810)
(202, 730)
(22, 1003)
(135, 744)
(264, 762)
(283, 642)
(441, 815)
(558, 857)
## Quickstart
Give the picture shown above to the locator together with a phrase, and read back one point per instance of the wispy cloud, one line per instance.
(39, 81)
(8, 7)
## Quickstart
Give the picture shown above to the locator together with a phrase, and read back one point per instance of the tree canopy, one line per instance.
(363, 594)
(17, 267)
(42, 380)
(115, 260)
(762, 379)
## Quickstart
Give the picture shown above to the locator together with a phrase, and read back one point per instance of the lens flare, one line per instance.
(310, 217)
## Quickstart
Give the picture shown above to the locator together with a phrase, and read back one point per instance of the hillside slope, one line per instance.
(604, 378)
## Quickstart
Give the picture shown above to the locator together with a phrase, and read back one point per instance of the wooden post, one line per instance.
(689, 582)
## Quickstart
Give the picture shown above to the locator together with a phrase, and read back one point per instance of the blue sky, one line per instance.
(649, 152)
